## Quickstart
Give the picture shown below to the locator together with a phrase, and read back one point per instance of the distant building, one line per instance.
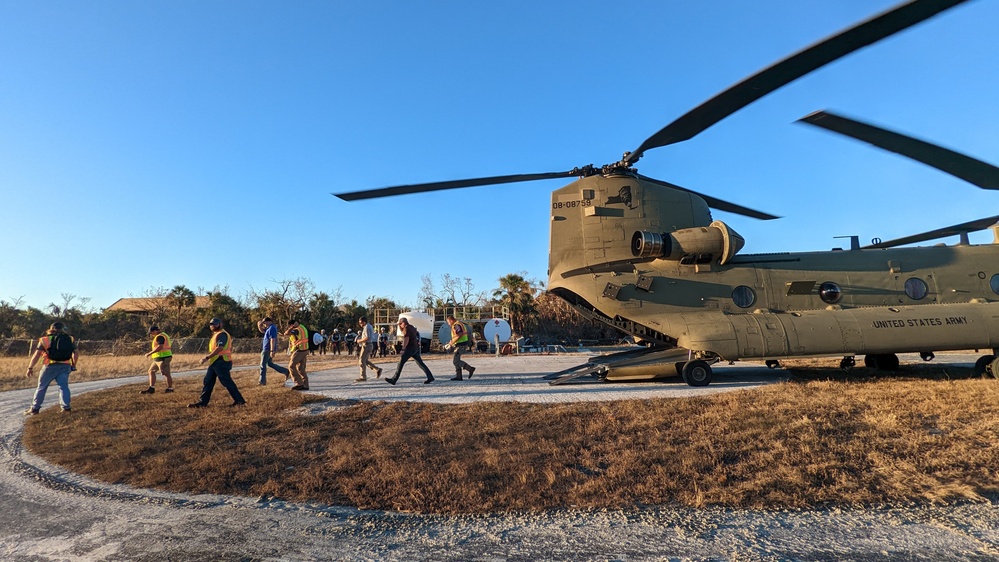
(143, 306)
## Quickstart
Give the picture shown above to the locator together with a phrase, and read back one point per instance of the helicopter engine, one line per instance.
(702, 244)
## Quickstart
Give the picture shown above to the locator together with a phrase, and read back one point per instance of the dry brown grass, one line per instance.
(923, 438)
(99, 367)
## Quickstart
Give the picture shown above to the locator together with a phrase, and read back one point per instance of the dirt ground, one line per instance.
(50, 514)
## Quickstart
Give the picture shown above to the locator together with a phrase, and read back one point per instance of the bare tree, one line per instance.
(427, 296)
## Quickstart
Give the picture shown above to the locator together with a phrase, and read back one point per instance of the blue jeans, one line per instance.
(58, 372)
(406, 355)
(220, 370)
(265, 361)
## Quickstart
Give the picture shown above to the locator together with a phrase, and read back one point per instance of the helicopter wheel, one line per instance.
(886, 362)
(697, 373)
(870, 361)
(982, 365)
(926, 355)
(772, 364)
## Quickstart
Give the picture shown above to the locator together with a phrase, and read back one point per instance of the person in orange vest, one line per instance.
(458, 344)
(298, 349)
(58, 351)
(161, 354)
(219, 361)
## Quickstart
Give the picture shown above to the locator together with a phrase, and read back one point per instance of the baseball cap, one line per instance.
(154, 328)
(215, 321)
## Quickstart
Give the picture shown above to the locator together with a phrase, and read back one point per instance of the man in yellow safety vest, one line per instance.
(161, 354)
(298, 349)
(219, 361)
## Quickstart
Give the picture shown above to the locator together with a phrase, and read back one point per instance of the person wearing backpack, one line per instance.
(58, 351)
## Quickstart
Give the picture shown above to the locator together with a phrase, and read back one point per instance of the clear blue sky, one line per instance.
(197, 143)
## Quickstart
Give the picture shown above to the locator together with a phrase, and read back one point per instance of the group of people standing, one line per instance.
(349, 342)
(58, 352)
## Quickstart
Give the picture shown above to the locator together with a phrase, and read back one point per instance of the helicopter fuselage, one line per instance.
(678, 292)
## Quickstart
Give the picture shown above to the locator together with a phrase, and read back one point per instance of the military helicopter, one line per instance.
(645, 256)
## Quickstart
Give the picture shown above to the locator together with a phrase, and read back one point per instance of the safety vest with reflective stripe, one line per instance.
(459, 328)
(301, 341)
(165, 351)
(45, 341)
(226, 354)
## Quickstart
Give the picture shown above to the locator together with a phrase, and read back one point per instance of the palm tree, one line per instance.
(517, 293)
(180, 297)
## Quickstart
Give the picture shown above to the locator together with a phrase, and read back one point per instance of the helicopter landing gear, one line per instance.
(983, 367)
(697, 373)
(773, 364)
(847, 363)
(882, 361)
(926, 355)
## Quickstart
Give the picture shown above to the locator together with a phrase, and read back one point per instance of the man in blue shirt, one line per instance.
(270, 343)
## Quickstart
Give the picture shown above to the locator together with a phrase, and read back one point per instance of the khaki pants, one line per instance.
(162, 366)
(297, 368)
(365, 361)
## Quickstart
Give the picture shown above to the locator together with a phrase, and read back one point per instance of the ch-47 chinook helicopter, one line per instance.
(646, 257)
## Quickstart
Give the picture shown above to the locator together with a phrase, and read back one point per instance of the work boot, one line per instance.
(149, 390)
(360, 379)
(429, 380)
(378, 373)
(471, 371)
(391, 380)
(31, 412)
(457, 377)
(168, 390)
(196, 405)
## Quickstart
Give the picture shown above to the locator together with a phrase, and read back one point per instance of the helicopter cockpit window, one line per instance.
(994, 283)
(830, 292)
(915, 288)
(743, 296)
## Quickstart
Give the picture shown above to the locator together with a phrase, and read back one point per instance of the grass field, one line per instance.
(925, 435)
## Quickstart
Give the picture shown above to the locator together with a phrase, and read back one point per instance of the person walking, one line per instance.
(219, 361)
(269, 349)
(410, 348)
(366, 343)
(322, 345)
(298, 349)
(162, 355)
(458, 344)
(58, 352)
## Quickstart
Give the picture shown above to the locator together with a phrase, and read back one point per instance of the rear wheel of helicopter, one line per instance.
(697, 373)
(983, 364)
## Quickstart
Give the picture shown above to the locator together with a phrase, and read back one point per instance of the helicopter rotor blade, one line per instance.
(454, 184)
(714, 202)
(789, 69)
(971, 170)
(955, 230)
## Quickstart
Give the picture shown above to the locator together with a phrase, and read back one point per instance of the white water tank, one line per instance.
(423, 322)
(496, 327)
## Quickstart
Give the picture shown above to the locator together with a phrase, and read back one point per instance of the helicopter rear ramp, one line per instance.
(632, 365)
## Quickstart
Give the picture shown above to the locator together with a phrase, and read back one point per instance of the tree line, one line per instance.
(533, 311)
